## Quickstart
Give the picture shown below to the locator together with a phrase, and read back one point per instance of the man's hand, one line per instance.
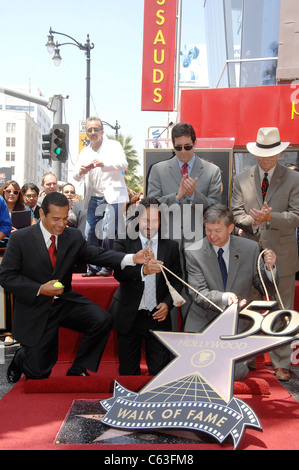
(152, 267)
(161, 313)
(233, 299)
(182, 190)
(49, 290)
(190, 184)
(260, 216)
(143, 256)
(84, 169)
(270, 259)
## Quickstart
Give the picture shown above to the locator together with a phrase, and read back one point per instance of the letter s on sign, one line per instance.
(160, 17)
(158, 98)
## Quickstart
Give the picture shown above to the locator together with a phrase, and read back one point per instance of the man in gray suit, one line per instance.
(265, 204)
(224, 270)
(185, 179)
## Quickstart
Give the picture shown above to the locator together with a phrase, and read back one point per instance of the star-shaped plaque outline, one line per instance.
(221, 354)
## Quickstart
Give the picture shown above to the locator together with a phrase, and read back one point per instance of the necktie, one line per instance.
(150, 287)
(222, 266)
(184, 169)
(265, 185)
(52, 250)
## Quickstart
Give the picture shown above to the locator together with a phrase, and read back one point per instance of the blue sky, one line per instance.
(116, 29)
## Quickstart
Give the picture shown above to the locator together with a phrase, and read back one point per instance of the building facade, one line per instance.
(22, 125)
(242, 42)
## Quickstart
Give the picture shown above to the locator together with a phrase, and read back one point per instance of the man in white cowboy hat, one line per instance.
(265, 204)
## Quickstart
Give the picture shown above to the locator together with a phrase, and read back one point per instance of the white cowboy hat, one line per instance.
(267, 143)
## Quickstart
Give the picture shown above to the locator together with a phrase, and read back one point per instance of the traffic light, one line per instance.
(60, 142)
(47, 139)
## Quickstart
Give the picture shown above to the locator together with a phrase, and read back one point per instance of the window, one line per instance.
(10, 157)
(11, 127)
(10, 141)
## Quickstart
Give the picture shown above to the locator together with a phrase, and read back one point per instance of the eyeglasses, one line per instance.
(30, 196)
(8, 191)
(94, 129)
(68, 192)
(178, 148)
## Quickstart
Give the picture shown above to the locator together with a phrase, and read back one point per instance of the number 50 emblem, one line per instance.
(289, 319)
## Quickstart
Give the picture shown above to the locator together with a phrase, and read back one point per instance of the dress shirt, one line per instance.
(155, 251)
(190, 164)
(262, 174)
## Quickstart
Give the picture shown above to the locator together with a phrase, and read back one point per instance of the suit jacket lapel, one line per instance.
(274, 184)
(256, 184)
(61, 249)
(197, 168)
(234, 263)
(213, 264)
(174, 170)
(161, 257)
(41, 249)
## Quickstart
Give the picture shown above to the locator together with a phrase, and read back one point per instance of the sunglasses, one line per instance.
(178, 148)
(69, 192)
(8, 191)
(95, 129)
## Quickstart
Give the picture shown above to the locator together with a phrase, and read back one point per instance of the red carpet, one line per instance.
(32, 420)
(33, 412)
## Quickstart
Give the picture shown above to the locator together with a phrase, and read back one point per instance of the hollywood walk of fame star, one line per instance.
(209, 355)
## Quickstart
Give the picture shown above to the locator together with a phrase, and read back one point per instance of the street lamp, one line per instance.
(53, 48)
(115, 128)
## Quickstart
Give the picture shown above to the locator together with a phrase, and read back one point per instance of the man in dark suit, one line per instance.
(142, 301)
(29, 271)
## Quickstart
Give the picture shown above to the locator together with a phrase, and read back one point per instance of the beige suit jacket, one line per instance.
(282, 196)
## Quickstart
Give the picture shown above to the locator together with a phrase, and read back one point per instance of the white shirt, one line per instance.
(107, 181)
(47, 236)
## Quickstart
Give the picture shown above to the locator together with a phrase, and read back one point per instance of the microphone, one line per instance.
(156, 143)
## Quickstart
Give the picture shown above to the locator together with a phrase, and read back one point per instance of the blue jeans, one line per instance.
(101, 224)
(93, 217)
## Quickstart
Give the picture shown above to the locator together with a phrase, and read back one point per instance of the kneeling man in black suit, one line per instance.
(36, 258)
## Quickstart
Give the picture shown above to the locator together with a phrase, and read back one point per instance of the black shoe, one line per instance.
(74, 373)
(105, 272)
(89, 274)
(14, 372)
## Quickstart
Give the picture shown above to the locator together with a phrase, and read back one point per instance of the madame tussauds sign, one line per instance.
(195, 391)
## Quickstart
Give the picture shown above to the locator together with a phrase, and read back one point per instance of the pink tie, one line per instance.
(184, 169)
(52, 250)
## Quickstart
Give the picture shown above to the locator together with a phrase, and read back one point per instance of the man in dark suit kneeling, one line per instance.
(36, 258)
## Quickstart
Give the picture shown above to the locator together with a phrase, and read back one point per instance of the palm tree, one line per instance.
(134, 181)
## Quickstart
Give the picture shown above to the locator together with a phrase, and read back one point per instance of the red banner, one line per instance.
(240, 112)
(158, 55)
